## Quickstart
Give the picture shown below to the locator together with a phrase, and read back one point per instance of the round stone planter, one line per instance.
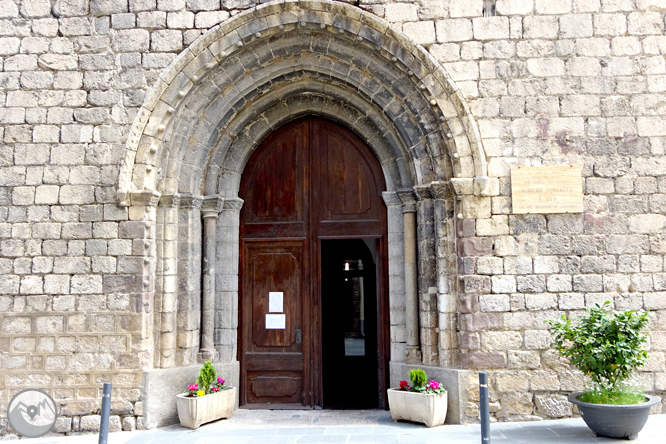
(430, 409)
(192, 412)
(615, 421)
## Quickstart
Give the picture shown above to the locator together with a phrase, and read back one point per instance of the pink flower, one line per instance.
(193, 387)
(215, 389)
(220, 381)
(434, 384)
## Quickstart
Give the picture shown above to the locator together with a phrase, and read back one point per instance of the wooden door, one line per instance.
(309, 181)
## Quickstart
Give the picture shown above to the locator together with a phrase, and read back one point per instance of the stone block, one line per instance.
(401, 12)
(645, 23)
(90, 423)
(476, 246)
(489, 265)
(208, 19)
(490, 28)
(422, 32)
(466, 8)
(77, 194)
(503, 284)
(130, 40)
(511, 381)
(455, 30)
(552, 406)
(524, 360)
(541, 301)
(166, 40)
(514, 7)
(483, 360)
(107, 7)
(531, 284)
(180, 20)
(494, 303)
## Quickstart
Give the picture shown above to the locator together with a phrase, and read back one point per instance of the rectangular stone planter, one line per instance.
(430, 409)
(193, 412)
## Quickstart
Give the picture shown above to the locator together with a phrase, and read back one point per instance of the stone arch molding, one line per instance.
(244, 77)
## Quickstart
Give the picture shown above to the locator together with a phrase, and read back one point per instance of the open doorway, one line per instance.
(349, 323)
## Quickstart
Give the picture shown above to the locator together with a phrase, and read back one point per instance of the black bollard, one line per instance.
(106, 408)
(484, 407)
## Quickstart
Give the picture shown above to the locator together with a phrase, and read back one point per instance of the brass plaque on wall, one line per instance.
(550, 189)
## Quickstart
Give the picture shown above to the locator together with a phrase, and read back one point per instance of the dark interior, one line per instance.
(349, 324)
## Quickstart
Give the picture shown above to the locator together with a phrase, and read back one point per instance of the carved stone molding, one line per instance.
(441, 190)
(170, 200)
(145, 197)
(188, 201)
(233, 203)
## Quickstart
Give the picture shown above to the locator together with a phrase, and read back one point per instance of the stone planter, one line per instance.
(430, 409)
(615, 421)
(193, 412)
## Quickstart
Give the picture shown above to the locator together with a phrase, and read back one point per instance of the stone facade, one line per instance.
(123, 120)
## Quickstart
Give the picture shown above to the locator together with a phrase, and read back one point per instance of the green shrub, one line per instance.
(418, 377)
(207, 375)
(604, 344)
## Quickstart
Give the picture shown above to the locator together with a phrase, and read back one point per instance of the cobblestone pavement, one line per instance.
(375, 426)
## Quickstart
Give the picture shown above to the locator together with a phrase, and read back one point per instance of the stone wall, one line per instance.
(549, 83)
(555, 83)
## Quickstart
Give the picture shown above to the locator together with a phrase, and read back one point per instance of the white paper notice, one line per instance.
(276, 321)
(275, 302)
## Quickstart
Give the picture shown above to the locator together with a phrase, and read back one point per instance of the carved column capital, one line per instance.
(233, 203)
(408, 199)
(441, 190)
(211, 206)
(190, 202)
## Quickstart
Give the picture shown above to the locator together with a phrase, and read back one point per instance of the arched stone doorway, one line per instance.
(229, 90)
(313, 256)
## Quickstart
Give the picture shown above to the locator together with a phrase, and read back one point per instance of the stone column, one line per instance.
(211, 207)
(413, 352)
(226, 297)
(447, 265)
(427, 276)
(189, 279)
(141, 230)
(167, 275)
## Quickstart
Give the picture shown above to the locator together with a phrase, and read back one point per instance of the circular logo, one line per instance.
(32, 413)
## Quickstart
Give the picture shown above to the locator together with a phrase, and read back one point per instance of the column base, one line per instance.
(207, 355)
(413, 355)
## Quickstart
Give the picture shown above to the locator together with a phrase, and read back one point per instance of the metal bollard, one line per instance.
(106, 408)
(484, 407)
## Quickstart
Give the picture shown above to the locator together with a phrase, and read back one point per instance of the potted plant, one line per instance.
(207, 400)
(426, 403)
(607, 346)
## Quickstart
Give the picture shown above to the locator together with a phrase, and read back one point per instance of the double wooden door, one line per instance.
(310, 183)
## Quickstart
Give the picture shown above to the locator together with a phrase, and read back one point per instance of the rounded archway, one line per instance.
(212, 107)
